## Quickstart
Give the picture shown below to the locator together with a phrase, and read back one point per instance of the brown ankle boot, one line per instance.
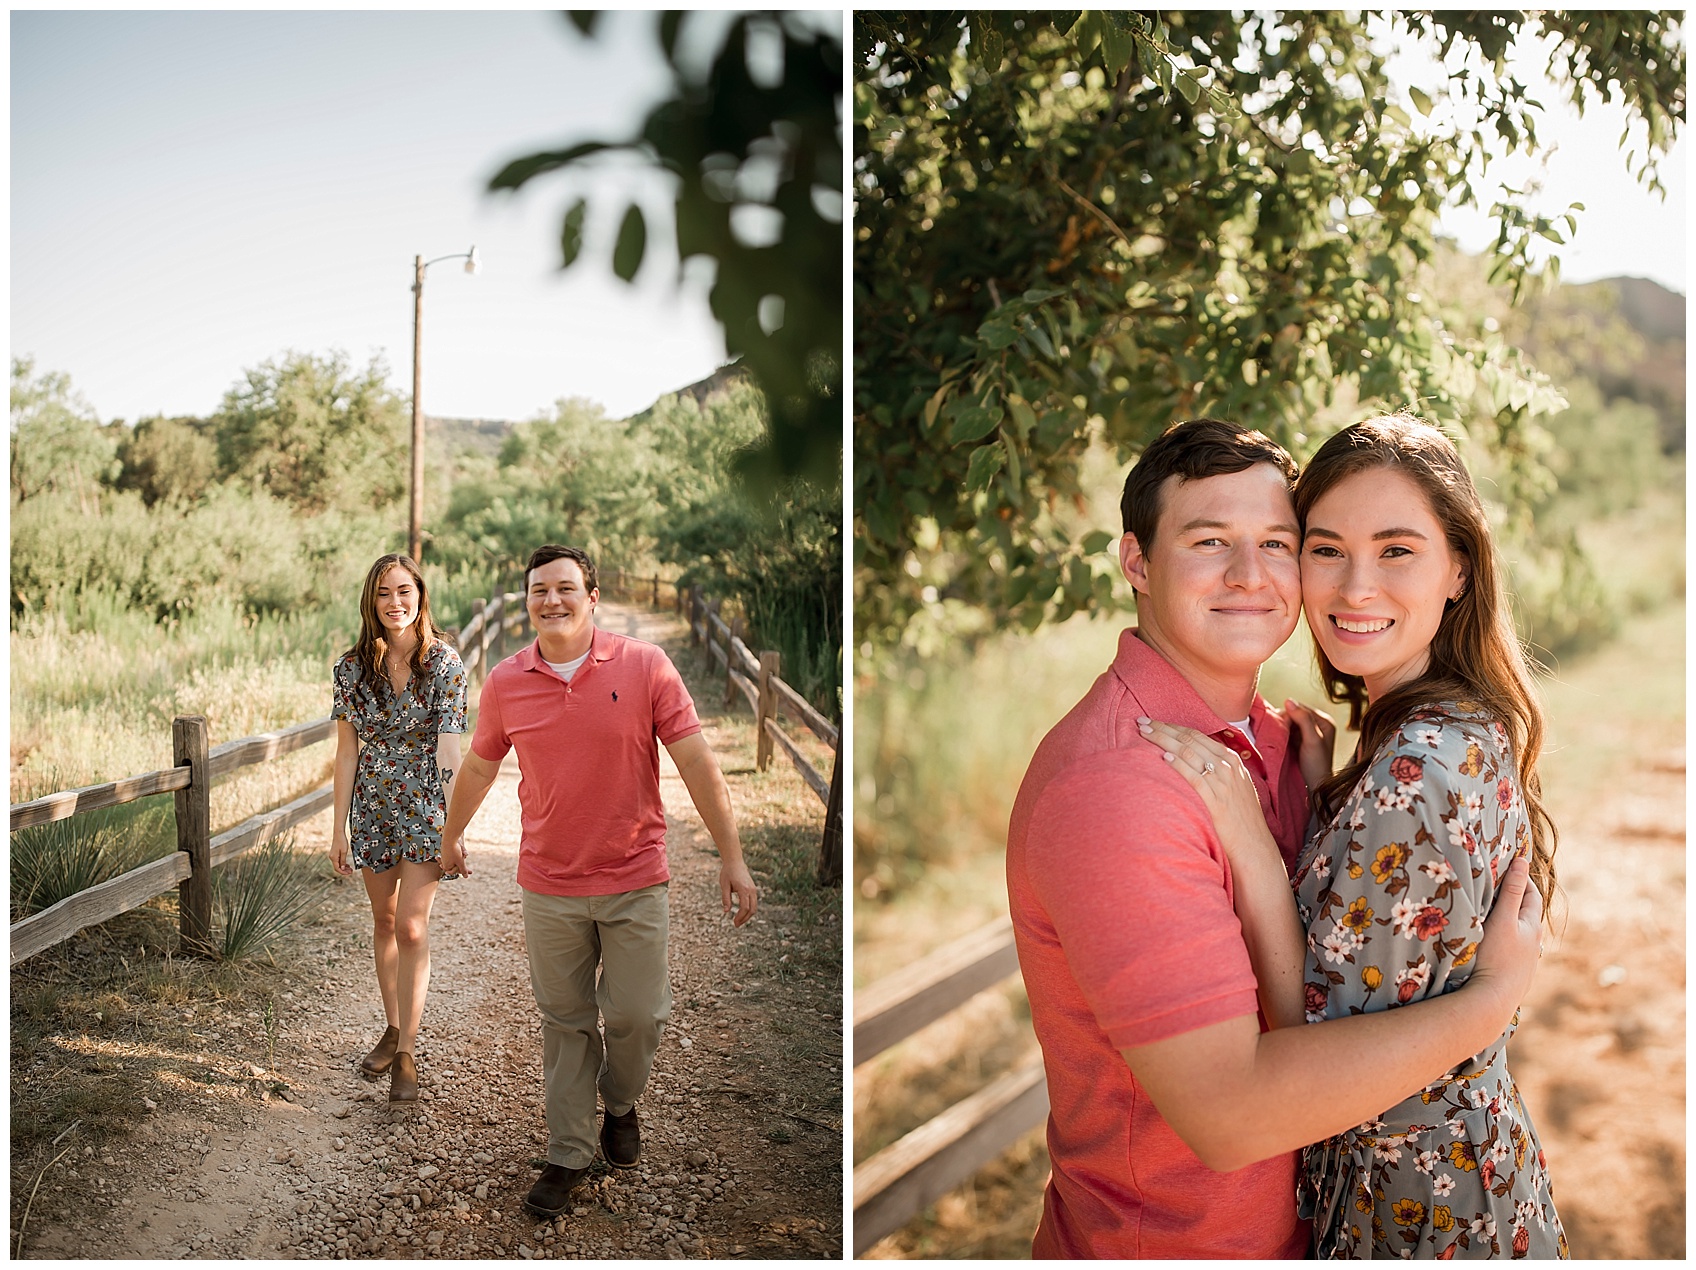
(377, 1061)
(403, 1084)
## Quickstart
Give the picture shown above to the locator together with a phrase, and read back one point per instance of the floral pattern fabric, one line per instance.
(1394, 892)
(398, 804)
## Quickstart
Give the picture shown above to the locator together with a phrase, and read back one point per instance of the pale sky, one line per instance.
(194, 193)
(1624, 230)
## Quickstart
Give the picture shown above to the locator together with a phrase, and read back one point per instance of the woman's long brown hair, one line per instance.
(1475, 654)
(371, 646)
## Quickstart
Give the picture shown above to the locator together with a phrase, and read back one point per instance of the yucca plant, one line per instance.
(54, 861)
(259, 895)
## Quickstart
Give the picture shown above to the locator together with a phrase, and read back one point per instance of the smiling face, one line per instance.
(1219, 591)
(1376, 572)
(562, 609)
(396, 600)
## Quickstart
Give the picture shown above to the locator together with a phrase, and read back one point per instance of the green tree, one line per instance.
(163, 459)
(57, 442)
(755, 142)
(314, 432)
(1072, 227)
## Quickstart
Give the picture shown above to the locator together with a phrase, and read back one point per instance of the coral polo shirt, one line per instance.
(589, 762)
(1122, 911)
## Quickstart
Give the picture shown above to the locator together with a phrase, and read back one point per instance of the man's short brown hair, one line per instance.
(550, 552)
(1191, 450)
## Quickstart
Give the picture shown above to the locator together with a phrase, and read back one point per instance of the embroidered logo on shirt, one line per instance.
(615, 694)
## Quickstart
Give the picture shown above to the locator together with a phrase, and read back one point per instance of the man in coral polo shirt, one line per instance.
(1174, 1116)
(587, 711)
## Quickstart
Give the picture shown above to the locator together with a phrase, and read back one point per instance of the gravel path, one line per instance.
(311, 1161)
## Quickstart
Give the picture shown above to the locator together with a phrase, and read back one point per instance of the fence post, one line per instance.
(737, 627)
(477, 607)
(497, 650)
(830, 848)
(769, 663)
(656, 590)
(694, 616)
(194, 835)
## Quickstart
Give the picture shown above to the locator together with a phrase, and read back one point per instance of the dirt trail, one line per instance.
(1600, 1053)
(319, 1165)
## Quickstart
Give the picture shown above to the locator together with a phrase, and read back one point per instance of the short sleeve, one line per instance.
(1409, 868)
(450, 692)
(491, 741)
(1125, 862)
(341, 688)
(674, 709)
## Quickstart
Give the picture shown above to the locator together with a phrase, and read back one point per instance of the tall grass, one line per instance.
(806, 633)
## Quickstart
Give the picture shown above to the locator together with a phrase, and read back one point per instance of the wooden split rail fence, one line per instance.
(494, 626)
(199, 851)
(757, 677)
(921, 1167)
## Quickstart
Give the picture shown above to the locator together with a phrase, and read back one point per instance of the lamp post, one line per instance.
(415, 522)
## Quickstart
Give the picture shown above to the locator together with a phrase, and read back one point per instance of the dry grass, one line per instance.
(112, 1020)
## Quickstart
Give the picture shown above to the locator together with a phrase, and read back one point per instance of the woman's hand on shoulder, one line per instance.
(1216, 773)
(1513, 939)
(1316, 741)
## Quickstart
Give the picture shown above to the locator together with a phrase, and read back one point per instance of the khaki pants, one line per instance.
(567, 936)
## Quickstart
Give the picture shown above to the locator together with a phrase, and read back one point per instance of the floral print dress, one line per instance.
(1394, 892)
(398, 804)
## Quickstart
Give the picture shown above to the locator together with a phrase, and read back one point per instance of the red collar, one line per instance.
(603, 646)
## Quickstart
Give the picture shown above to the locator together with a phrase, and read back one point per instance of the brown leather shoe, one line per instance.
(621, 1139)
(552, 1192)
(403, 1085)
(378, 1060)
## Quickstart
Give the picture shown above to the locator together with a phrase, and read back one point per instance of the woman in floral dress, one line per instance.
(400, 708)
(1401, 589)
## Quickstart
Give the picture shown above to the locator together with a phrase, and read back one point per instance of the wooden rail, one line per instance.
(189, 868)
(757, 679)
(919, 1168)
(69, 802)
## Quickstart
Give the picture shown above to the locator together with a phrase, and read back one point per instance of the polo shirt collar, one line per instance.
(1166, 695)
(602, 647)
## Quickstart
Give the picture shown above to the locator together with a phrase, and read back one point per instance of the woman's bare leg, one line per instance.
(412, 943)
(382, 889)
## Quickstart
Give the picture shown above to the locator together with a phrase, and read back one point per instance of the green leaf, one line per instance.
(1094, 542)
(1024, 418)
(519, 171)
(1189, 86)
(571, 234)
(583, 19)
(987, 460)
(632, 244)
(934, 405)
(974, 423)
(997, 333)
(670, 20)
(1421, 102)
(1552, 235)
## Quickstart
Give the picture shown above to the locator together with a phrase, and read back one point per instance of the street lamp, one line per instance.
(415, 524)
